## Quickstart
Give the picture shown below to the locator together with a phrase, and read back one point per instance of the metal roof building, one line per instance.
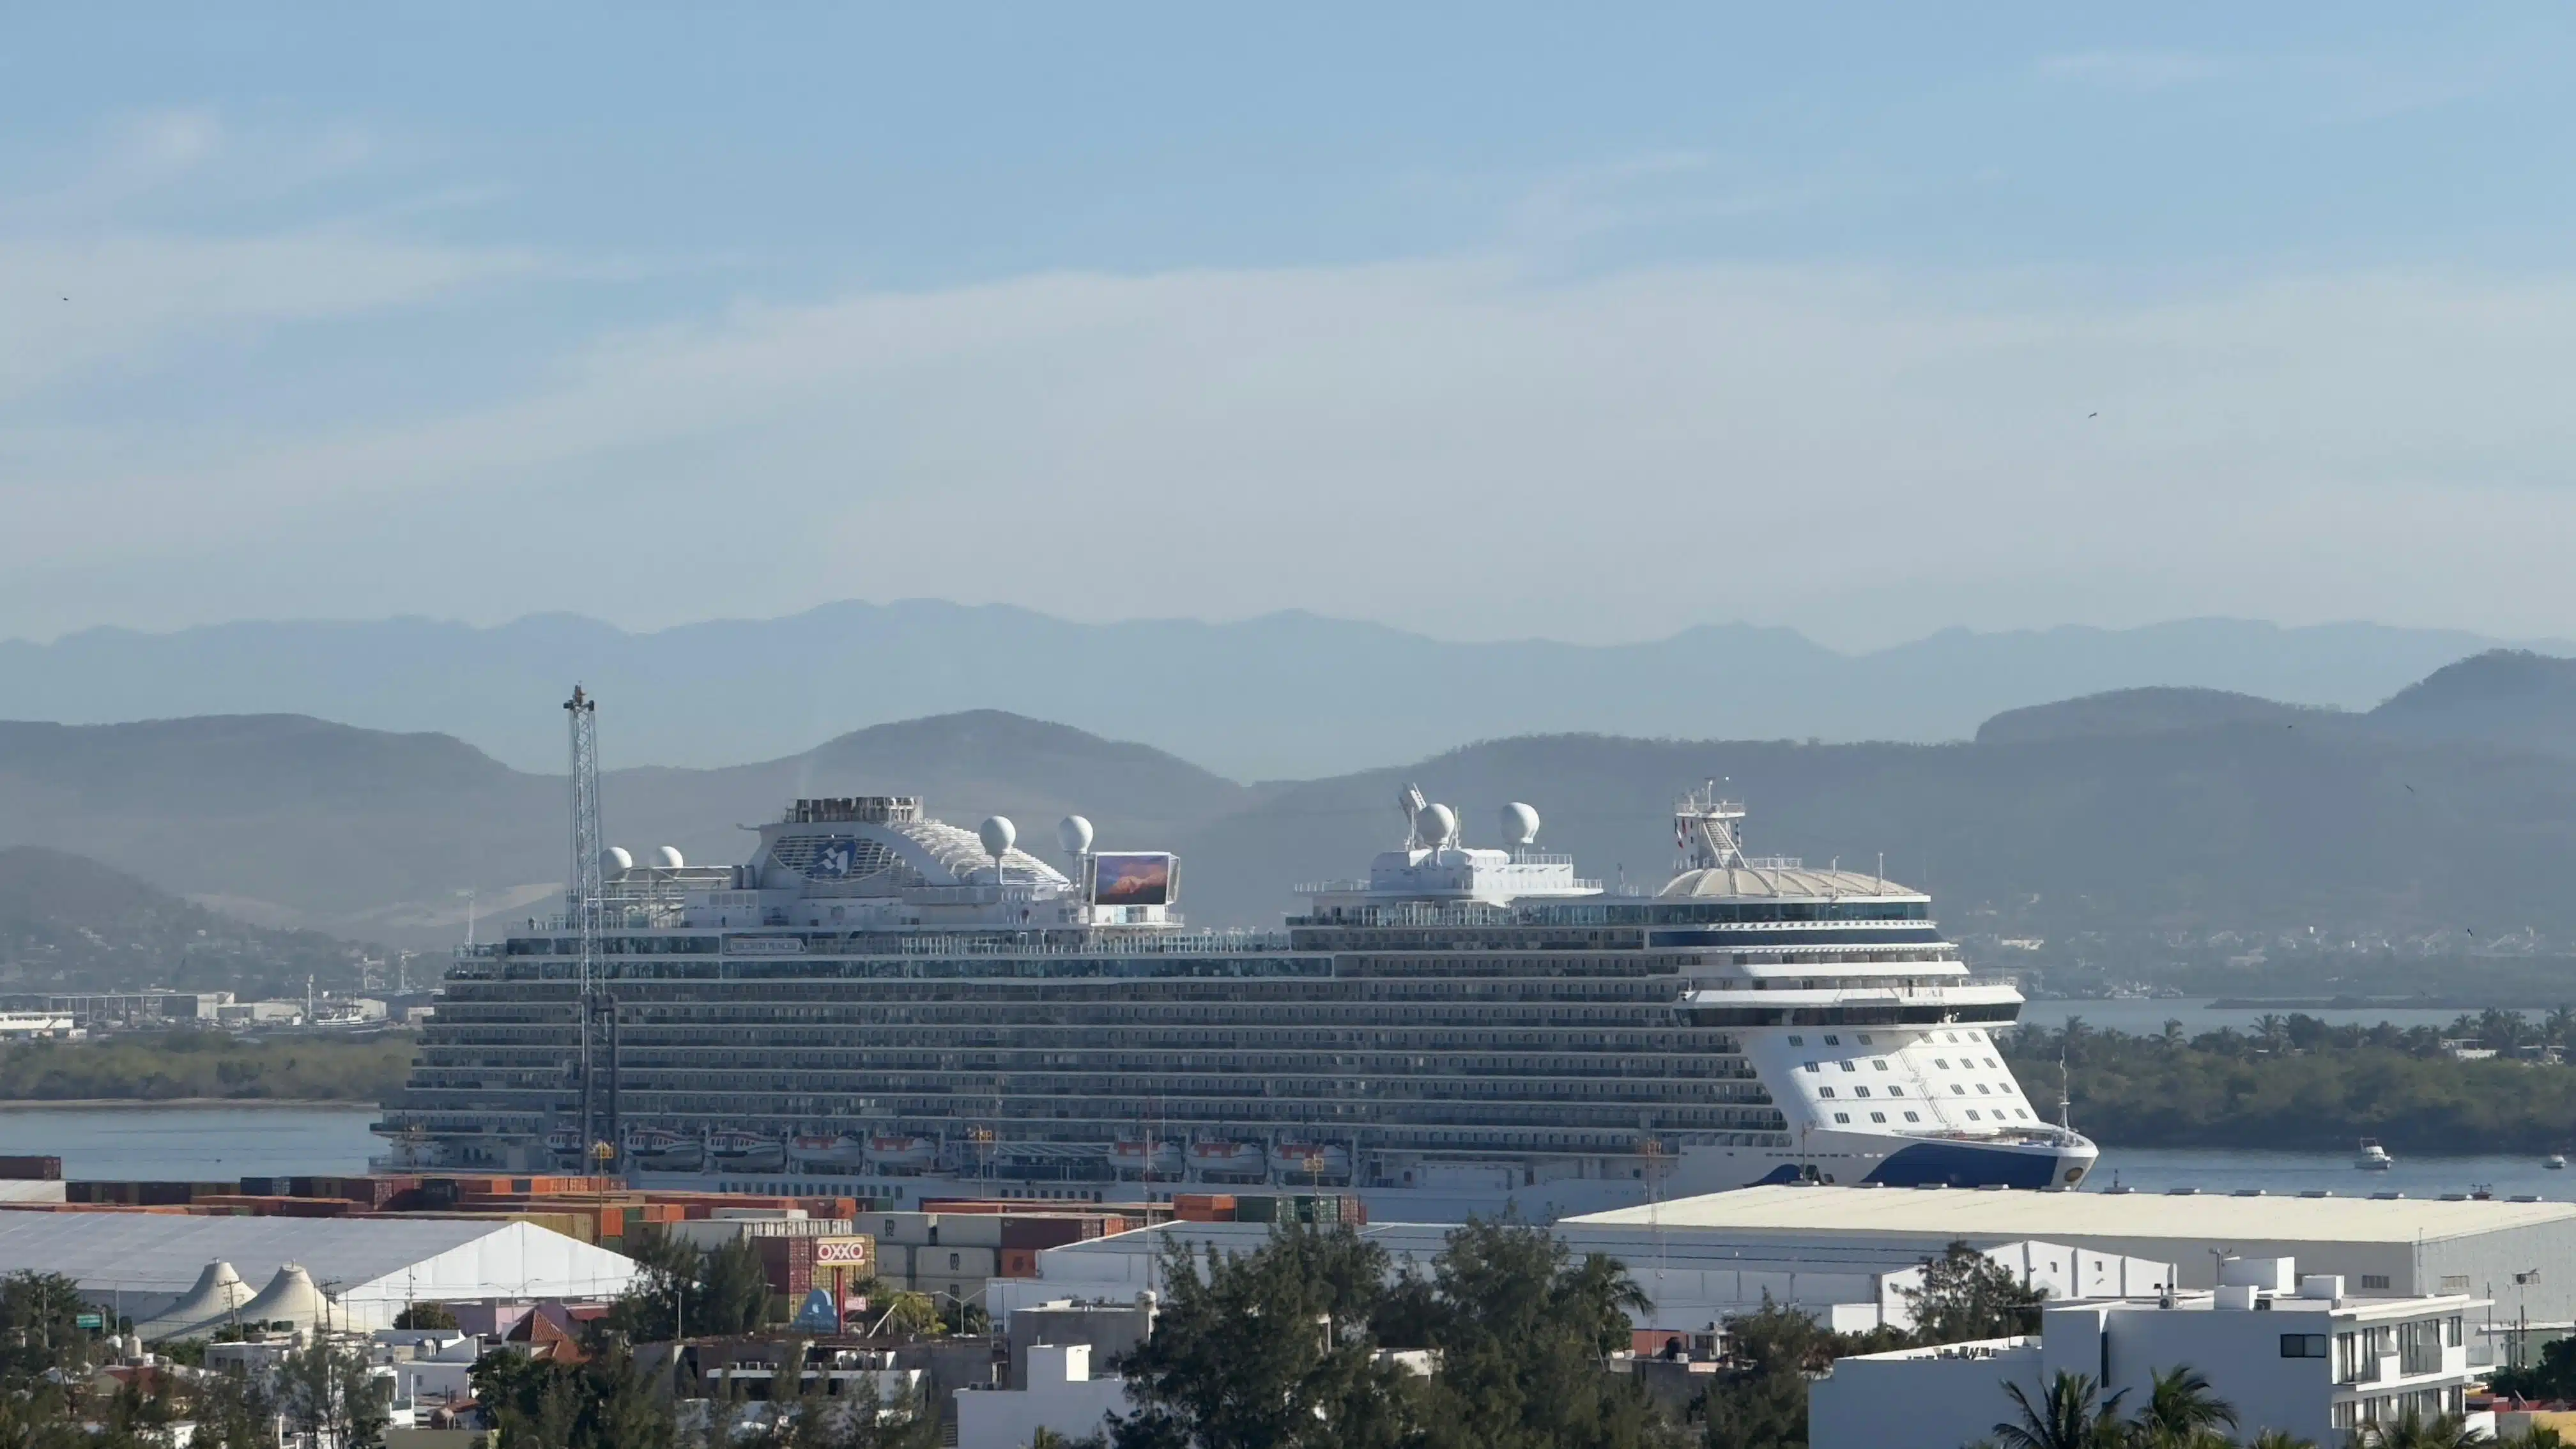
(139, 1264)
(1695, 1277)
(2521, 1254)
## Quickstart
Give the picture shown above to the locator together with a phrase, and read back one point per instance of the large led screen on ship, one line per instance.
(1132, 880)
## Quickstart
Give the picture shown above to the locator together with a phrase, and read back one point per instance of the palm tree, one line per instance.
(2279, 1439)
(2070, 1414)
(2180, 1409)
(2411, 1430)
(2560, 1025)
(2272, 1029)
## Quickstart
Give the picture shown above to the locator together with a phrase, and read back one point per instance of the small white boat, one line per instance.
(901, 1152)
(734, 1150)
(2555, 1162)
(846, 1149)
(2373, 1158)
(1227, 1160)
(1310, 1161)
(1140, 1158)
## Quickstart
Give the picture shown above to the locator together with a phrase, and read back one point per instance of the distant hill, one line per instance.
(2140, 712)
(1283, 696)
(2138, 812)
(70, 922)
(286, 820)
(2504, 697)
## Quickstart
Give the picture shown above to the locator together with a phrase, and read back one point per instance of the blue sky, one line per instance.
(1581, 322)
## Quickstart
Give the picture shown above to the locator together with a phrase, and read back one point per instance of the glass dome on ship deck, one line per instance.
(1787, 882)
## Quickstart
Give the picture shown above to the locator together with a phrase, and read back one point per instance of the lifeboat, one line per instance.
(899, 1153)
(1141, 1158)
(740, 1151)
(564, 1142)
(1226, 1159)
(826, 1150)
(653, 1147)
(1310, 1161)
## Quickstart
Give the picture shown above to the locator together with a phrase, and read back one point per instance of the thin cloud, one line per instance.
(2138, 70)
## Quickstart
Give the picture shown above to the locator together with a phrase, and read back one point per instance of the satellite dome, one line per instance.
(614, 861)
(1435, 826)
(1520, 824)
(1074, 834)
(669, 857)
(997, 832)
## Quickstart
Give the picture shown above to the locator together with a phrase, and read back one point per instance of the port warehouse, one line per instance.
(2520, 1254)
(1844, 1254)
(137, 1264)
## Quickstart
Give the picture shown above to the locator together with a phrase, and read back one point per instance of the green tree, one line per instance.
(328, 1396)
(2279, 1439)
(1523, 1328)
(2181, 1410)
(1759, 1400)
(600, 1403)
(2413, 1430)
(1967, 1296)
(2069, 1414)
(425, 1316)
(232, 1410)
(679, 1289)
(1271, 1349)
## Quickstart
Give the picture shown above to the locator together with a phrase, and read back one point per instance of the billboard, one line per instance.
(1133, 880)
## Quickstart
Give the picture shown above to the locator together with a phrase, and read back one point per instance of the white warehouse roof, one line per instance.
(142, 1262)
(2057, 1216)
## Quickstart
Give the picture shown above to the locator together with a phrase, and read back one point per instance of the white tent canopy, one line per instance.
(218, 1298)
(143, 1264)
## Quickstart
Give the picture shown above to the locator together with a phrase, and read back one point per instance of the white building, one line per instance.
(140, 1264)
(1062, 1396)
(2383, 1245)
(2306, 1359)
(1697, 1277)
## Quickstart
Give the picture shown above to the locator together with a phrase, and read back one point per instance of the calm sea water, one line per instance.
(215, 1143)
(192, 1144)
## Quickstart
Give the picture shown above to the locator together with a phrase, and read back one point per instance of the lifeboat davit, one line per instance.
(741, 1151)
(826, 1150)
(1311, 1161)
(1140, 1158)
(1226, 1159)
(899, 1153)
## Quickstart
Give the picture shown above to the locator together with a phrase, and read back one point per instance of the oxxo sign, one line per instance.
(841, 1252)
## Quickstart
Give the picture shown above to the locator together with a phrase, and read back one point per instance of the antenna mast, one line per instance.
(583, 894)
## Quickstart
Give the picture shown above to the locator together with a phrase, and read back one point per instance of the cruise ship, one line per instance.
(880, 1004)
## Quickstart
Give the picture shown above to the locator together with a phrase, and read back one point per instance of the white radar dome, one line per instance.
(1520, 824)
(614, 861)
(1074, 834)
(1436, 825)
(997, 832)
(668, 857)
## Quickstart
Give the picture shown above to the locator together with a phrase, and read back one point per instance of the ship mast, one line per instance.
(584, 895)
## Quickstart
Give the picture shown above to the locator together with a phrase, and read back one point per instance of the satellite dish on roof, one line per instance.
(997, 832)
(1435, 826)
(1520, 824)
(669, 857)
(1074, 834)
(615, 861)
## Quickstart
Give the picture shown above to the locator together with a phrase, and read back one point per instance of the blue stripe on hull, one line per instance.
(1955, 1164)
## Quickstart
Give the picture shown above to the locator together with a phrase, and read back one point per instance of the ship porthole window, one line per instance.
(1843, 1117)
(1878, 1116)
(1910, 1117)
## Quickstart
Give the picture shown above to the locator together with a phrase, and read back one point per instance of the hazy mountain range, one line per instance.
(1280, 697)
(2450, 807)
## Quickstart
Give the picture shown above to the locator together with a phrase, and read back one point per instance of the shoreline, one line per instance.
(343, 1104)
